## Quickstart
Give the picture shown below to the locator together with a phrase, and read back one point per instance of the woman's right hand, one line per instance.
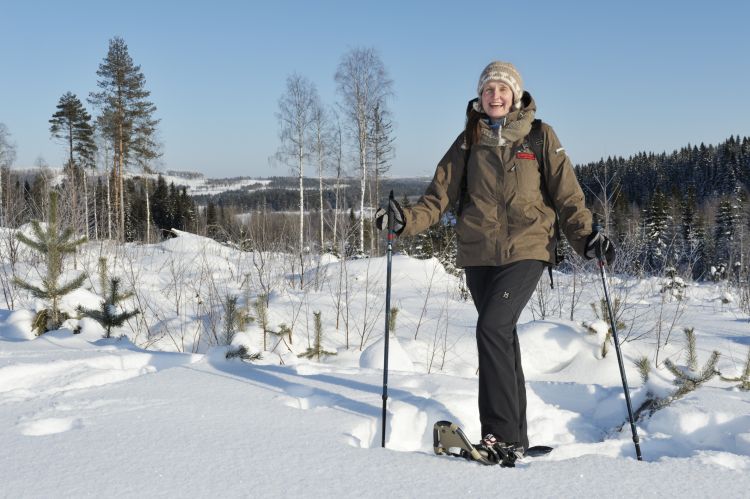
(399, 221)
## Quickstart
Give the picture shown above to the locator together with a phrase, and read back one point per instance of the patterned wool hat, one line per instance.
(506, 73)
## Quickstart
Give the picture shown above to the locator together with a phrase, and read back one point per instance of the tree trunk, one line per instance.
(148, 217)
(301, 221)
(363, 185)
(320, 189)
(96, 217)
(109, 209)
(86, 204)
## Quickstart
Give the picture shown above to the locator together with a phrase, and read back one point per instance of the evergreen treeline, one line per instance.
(152, 207)
(710, 171)
(686, 212)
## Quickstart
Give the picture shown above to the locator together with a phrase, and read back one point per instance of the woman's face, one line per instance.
(497, 99)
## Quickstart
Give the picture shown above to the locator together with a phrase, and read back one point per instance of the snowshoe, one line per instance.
(449, 439)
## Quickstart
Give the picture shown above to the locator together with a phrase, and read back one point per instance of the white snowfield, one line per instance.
(81, 416)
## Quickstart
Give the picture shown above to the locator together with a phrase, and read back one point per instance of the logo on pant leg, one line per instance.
(506, 295)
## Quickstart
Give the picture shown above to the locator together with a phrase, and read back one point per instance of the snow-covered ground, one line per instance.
(162, 412)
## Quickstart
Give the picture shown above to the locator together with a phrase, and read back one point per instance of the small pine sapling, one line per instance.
(644, 368)
(744, 378)
(261, 313)
(243, 353)
(689, 378)
(283, 331)
(652, 402)
(231, 318)
(107, 314)
(392, 320)
(53, 243)
(316, 350)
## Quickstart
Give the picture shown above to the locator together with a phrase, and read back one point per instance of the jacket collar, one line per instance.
(516, 127)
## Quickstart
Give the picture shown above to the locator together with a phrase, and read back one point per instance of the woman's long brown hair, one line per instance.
(471, 132)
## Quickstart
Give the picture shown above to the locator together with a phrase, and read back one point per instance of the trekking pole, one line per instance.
(601, 260)
(389, 256)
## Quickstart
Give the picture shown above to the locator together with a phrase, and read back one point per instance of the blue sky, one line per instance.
(613, 78)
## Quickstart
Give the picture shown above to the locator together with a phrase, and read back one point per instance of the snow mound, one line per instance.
(551, 347)
(17, 326)
(398, 360)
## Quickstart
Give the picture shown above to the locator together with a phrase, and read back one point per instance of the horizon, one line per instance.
(611, 81)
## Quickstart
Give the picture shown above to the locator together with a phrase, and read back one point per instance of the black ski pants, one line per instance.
(500, 294)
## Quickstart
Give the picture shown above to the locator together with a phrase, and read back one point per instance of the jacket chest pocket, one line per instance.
(526, 180)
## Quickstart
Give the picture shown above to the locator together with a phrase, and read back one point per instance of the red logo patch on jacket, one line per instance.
(525, 155)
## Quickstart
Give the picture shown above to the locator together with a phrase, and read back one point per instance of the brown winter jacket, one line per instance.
(507, 216)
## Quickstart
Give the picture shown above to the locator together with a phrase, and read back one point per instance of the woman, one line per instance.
(506, 235)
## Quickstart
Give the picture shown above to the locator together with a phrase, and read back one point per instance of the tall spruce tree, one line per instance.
(126, 117)
(728, 220)
(53, 243)
(657, 225)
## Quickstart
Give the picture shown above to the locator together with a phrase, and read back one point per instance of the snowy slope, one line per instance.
(86, 417)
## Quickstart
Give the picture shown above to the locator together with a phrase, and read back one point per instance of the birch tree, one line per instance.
(382, 152)
(337, 156)
(321, 144)
(362, 83)
(296, 108)
(7, 157)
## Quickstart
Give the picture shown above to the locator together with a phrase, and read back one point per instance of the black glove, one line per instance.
(399, 221)
(599, 244)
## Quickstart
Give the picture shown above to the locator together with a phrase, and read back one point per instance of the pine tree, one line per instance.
(53, 244)
(72, 124)
(107, 314)
(316, 350)
(126, 117)
(232, 318)
(744, 378)
(261, 314)
(688, 378)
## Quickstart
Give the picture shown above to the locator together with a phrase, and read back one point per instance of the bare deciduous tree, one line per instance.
(7, 157)
(321, 145)
(296, 111)
(363, 83)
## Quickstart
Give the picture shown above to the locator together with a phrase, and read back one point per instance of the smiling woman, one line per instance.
(493, 169)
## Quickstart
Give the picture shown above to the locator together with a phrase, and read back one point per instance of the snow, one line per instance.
(159, 413)
(373, 357)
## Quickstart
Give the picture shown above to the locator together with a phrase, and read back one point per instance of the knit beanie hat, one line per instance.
(506, 73)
